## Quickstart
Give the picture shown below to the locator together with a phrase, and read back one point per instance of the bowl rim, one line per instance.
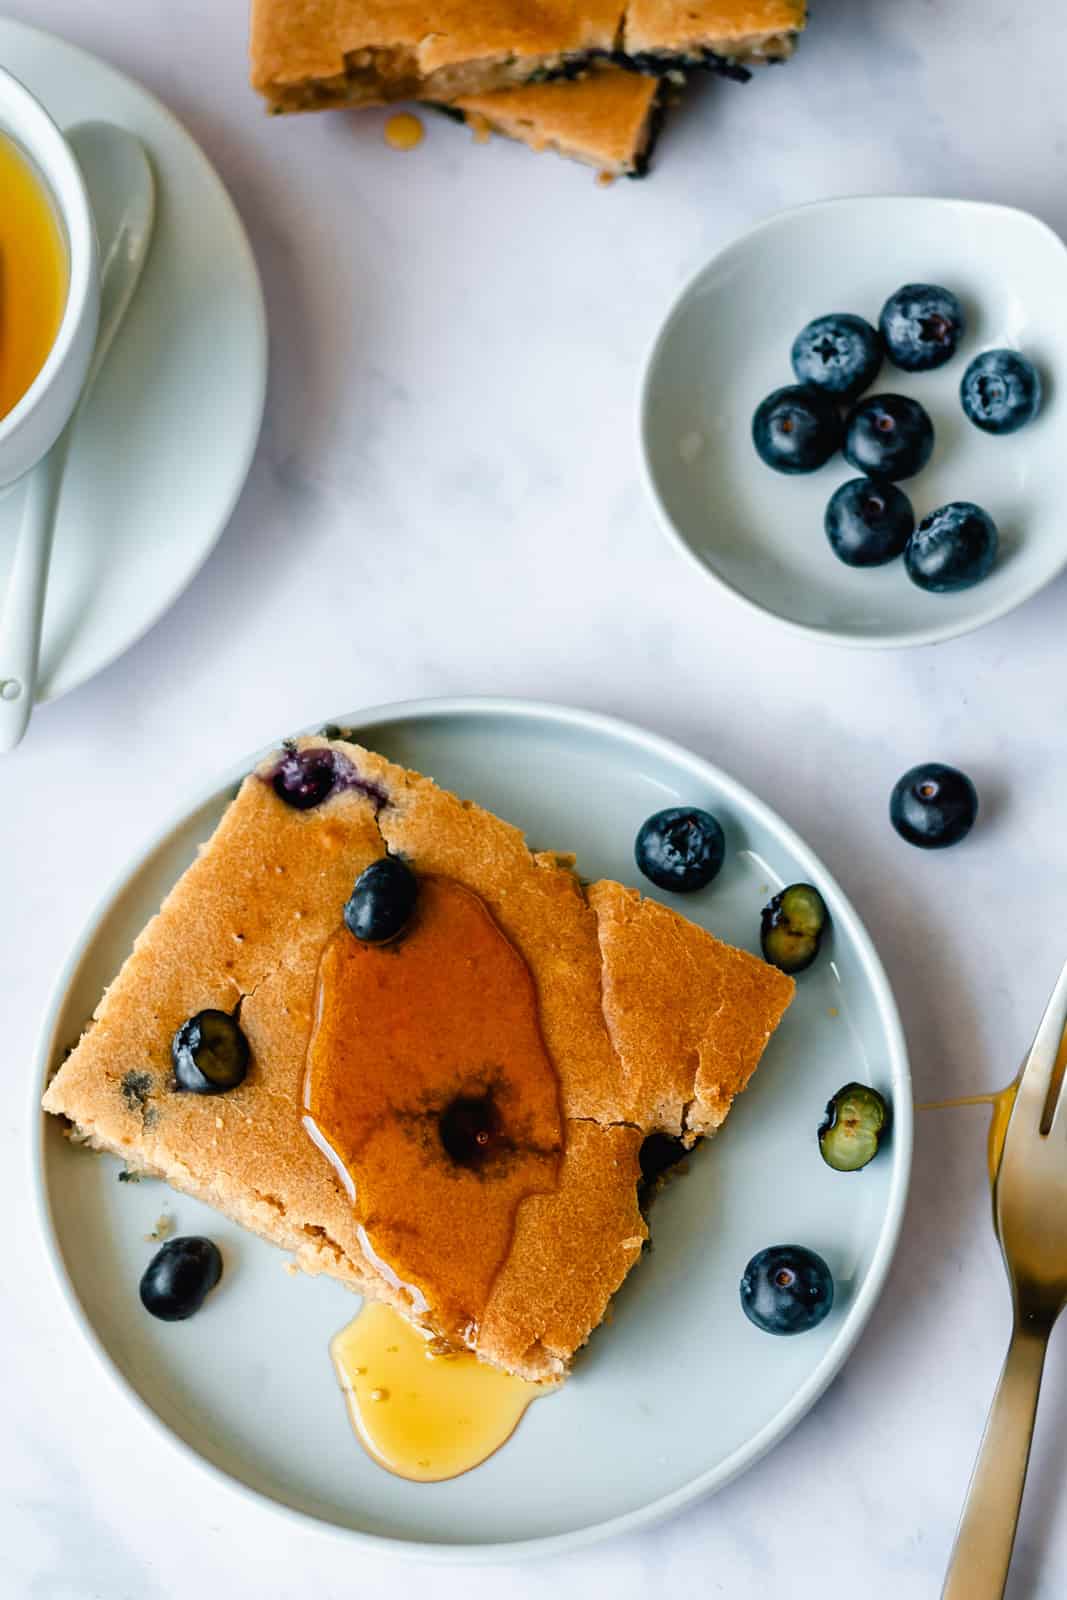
(36, 134)
(860, 1308)
(936, 633)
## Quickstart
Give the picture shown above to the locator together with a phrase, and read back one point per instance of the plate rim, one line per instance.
(45, 39)
(703, 1484)
(891, 639)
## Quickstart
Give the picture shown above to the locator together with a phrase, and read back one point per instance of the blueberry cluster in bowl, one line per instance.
(887, 437)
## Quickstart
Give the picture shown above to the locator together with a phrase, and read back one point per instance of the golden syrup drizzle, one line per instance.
(418, 1411)
(1002, 1101)
(33, 275)
(420, 1048)
(403, 131)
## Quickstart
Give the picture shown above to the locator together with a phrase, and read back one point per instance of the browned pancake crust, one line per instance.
(651, 1023)
(307, 55)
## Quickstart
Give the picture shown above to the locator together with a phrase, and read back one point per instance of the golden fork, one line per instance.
(1030, 1216)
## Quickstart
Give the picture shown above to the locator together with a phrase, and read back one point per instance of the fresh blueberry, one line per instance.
(210, 1054)
(933, 806)
(796, 429)
(855, 1122)
(921, 326)
(868, 523)
(840, 354)
(681, 848)
(953, 548)
(1001, 391)
(383, 901)
(787, 1289)
(792, 926)
(888, 436)
(304, 778)
(179, 1277)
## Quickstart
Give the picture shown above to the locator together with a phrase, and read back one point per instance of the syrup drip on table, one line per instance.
(420, 1410)
(430, 1089)
(1002, 1102)
(403, 131)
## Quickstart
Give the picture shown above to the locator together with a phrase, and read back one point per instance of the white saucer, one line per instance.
(164, 448)
(679, 1393)
(726, 344)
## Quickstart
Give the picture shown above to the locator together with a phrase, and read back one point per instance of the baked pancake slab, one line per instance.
(650, 1025)
(307, 55)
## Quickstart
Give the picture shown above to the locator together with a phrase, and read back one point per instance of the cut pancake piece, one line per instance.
(309, 55)
(635, 1022)
(663, 977)
(609, 119)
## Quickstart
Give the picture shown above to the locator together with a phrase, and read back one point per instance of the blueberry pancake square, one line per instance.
(308, 55)
(371, 1025)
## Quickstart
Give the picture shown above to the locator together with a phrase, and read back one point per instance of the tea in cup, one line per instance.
(33, 273)
(49, 281)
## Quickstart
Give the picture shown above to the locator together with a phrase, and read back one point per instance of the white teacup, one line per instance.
(30, 429)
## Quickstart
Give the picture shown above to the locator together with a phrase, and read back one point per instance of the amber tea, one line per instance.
(33, 274)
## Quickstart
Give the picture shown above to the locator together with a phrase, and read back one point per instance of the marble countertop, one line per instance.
(446, 500)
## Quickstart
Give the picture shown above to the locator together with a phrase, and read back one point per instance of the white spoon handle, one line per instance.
(20, 627)
(122, 192)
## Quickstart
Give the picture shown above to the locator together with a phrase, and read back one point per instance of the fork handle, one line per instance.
(981, 1555)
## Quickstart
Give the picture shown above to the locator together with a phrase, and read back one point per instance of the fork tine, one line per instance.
(1042, 1077)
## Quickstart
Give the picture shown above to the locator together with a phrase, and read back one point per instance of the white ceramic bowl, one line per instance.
(34, 424)
(726, 344)
(647, 1424)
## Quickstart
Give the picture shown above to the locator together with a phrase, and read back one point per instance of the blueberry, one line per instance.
(210, 1054)
(888, 436)
(305, 778)
(179, 1277)
(1001, 391)
(792, 926)
(933, 806)
(921, 326)
(868, 522)
(786, 1289)
(796, 429)
(471, 1130)
(855, 1120)
(840, 354)
(383, 901)
(953, 548)
(680, 849)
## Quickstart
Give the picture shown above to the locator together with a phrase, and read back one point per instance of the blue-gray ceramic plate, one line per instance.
(679, 1392)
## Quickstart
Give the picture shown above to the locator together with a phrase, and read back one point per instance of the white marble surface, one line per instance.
(446, 500)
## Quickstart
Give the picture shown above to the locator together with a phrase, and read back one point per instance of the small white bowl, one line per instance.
(726, 344)
(33, 425)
